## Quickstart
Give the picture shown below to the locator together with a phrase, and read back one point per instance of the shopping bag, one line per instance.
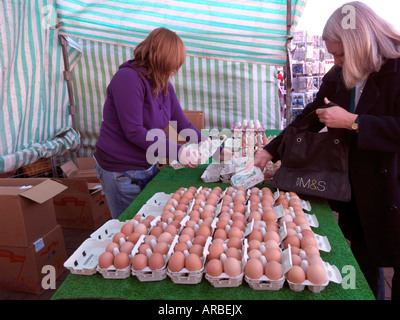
(314, 163)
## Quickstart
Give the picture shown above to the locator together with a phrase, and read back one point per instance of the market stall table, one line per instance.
(169, 180)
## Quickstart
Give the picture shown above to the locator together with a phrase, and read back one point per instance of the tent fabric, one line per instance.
(236, 30)
(226, 91)
(34, 120)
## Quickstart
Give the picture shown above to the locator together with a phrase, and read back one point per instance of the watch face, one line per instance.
(354, 126)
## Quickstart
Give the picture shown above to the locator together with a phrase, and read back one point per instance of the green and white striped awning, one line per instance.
(237, 30)
(34, 120)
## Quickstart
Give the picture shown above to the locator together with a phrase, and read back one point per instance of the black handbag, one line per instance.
(314, 163)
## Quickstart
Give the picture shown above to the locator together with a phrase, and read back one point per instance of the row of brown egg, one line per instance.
(225, 252)
(263, 251)
(189, 251)
(304, 247)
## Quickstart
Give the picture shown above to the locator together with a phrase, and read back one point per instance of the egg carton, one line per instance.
(190, 277)
(225, 281)
(332, 274)
(305, 204)
(310, 218)
(322, 241)
(212, 173)
(248, 179)
(159, 199)
(148, 275)
(108, 230)
(85, 259)
(264, 283)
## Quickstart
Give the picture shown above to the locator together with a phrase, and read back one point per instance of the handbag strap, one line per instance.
(352, 100)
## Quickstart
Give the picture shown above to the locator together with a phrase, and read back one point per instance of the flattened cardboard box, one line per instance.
(27, 209)
(21, 268)
(82, 206)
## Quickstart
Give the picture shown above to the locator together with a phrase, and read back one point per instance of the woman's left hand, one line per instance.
(336, 117)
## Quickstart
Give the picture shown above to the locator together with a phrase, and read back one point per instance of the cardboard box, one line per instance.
(82, 206)
(21, 269)
(27, 209)
(83, 169)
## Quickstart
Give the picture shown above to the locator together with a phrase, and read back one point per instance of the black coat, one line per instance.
(374, 158)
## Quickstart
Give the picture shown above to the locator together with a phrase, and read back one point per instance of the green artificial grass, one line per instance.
(168, 181)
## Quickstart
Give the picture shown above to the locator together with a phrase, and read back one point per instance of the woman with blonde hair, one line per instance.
(361, 94)
(140, 104)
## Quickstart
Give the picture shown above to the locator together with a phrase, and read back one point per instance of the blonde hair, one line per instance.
(366, 46)
(161, 53)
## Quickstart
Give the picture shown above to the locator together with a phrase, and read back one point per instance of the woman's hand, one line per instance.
(261, 159)
(189, 157)
(336, 117)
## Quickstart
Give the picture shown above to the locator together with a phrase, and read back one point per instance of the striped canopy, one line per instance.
(229, 73)
(237, 30)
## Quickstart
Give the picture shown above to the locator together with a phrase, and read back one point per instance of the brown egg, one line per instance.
(106, 259)
(273, 254)
(141, 228)
(199, 240)
(220, 233)
(235, 242)
(268, 215)
(137, 217)
(171, 229)
(237, 216)
(221, 224)
(165, 237)
(156, 261)
(189, 231)
(271, 235)
(255, 253)
(127, 229)
(156, 231)
(203, 231)
(254, 269)
(181, 246)
(139, 261)
(254, 215)
(147, 222)
(214, 268)
(296, 274)
(239, 224)
(294, 241)
(127, 247)
(273, 270)
(143, 247)
(215, 250)
(234, 232)
(233, 253)
(238, 207)
(184, 238)
(299, 220)
(307, 232)
(206, 214)
(121, 260)
(316, 274)
(118, 236)
(176, 262)
(308, 241)
(232, 267)
(296, 260)
(254, 244)
(311, 250)
(161, 247)
(134, 237)
(271, 226)
(196, 249)
(271, 244)
(257, 235)
(193, 262)
(314, 259)
(110, 247)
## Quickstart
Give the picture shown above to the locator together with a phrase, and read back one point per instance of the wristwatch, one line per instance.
(354, 126)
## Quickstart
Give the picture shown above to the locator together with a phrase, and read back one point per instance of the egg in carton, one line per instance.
(312, 273)
(212, 173)
(151, 265)
(280, 212)
(191, 266)
(261, 274)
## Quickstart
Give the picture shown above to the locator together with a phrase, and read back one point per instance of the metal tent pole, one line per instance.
(72, 109)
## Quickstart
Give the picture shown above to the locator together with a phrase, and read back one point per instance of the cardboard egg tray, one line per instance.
(212, 173)
(147, 274)
(223, 280)
(264, 283)
(190, 277)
